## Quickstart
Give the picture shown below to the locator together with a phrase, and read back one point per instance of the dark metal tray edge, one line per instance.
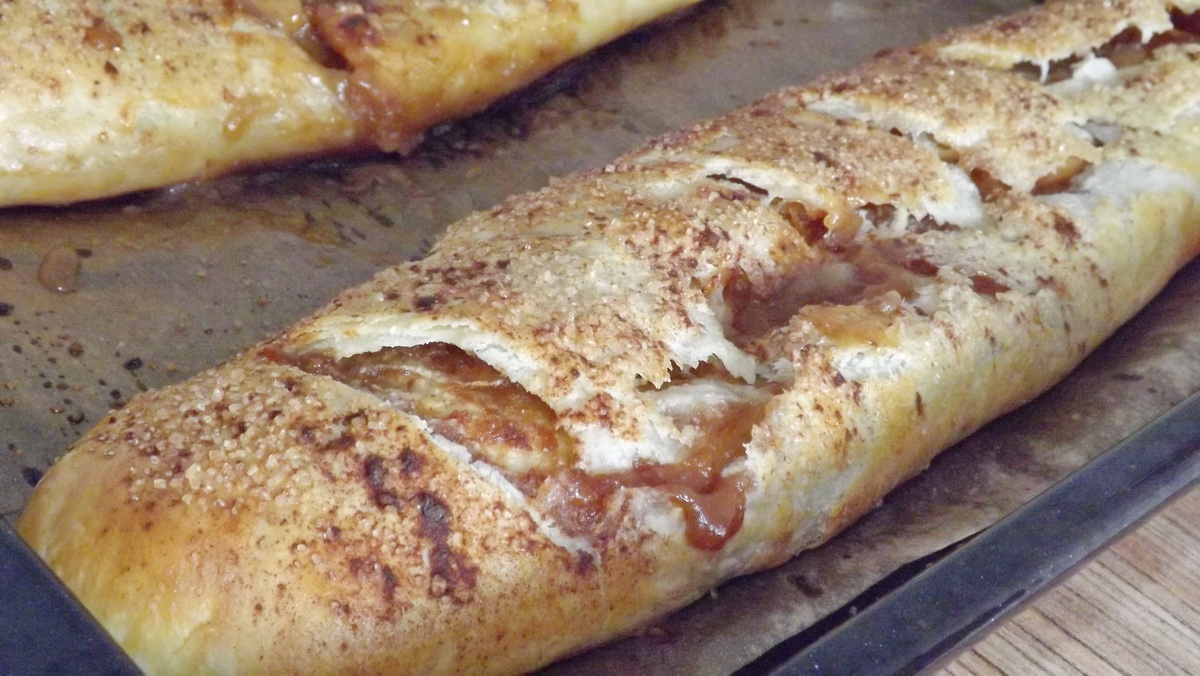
(43, 628)
(967, 589)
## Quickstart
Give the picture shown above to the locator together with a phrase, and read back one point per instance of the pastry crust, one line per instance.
(101, 99)
(416, 63)
(744, 333)
(106, 98)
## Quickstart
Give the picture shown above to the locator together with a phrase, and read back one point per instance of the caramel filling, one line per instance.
(851, 299)
(991, 188)
(832, 230)
(713, 502)
(1060, 179)
(1126, 49)
(467, 401)
(461, 398)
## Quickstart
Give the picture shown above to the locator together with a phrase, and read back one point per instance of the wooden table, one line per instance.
(1134, 609)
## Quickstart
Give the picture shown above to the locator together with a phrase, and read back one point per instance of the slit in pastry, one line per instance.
(468, 402)
(1131, 47)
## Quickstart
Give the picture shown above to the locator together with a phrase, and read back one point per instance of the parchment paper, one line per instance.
(174, 281)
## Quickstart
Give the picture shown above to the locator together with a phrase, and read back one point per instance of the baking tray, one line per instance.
(174, 281)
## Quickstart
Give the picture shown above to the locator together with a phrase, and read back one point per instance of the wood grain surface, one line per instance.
(1134, 609)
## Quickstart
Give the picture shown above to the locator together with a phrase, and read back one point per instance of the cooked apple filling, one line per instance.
(472, 404)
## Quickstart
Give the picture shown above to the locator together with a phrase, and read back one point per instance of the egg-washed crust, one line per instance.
(866, 269)
(106, 98)
(100, 99)
(415, 63)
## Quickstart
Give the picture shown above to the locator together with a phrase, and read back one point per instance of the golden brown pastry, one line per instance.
(416, 63)
(592, 403)
(105, 98)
